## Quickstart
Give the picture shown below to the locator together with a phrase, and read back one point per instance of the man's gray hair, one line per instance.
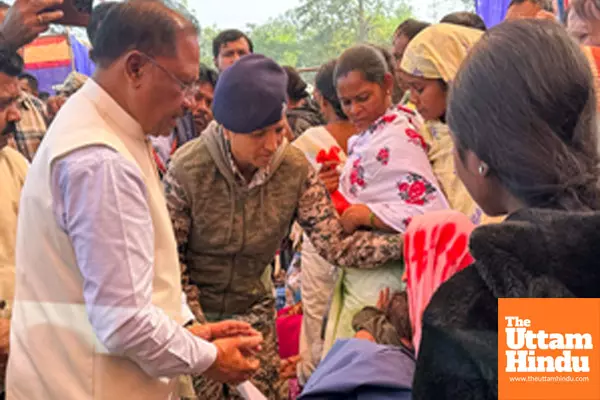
(148, 26)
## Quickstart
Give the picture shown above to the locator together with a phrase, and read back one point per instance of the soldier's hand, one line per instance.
(236, 361)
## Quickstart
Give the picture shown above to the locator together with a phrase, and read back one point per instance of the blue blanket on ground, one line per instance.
(357, 369)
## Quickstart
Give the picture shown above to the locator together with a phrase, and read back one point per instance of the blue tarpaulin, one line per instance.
(81, 55)
(492, 11)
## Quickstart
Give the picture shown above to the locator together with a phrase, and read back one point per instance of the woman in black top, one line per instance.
(522, 111)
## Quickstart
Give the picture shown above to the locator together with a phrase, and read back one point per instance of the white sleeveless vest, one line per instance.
(54, 352)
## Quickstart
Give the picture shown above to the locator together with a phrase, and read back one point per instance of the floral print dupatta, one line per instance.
(388, 170)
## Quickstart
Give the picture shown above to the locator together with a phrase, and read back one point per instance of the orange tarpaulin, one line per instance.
(48, 52)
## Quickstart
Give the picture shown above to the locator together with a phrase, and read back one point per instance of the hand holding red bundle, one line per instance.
(329, 156)
(330, 177)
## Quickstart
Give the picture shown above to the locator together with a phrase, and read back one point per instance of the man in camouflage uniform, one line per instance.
(233, 194)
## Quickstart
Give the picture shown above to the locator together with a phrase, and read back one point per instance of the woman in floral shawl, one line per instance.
(387, 178)
(428, 67)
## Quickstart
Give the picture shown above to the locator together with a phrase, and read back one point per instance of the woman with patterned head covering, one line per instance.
(429, 66)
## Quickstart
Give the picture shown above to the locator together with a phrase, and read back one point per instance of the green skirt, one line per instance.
(354, 290)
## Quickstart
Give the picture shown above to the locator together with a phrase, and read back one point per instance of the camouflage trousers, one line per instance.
(262, 318)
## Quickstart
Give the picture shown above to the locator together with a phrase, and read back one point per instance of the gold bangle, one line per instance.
(372, 220)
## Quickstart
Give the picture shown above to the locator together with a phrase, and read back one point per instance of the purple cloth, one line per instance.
(492, 11)
(81, 57)
(99, 200)
(356, 369)
(50, 76)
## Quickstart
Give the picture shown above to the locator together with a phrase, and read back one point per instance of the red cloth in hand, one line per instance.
(332, 158)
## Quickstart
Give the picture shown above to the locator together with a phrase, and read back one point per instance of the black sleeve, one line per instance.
(458, 353)
(445, 371)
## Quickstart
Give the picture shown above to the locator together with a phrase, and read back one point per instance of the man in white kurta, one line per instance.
(97, 310)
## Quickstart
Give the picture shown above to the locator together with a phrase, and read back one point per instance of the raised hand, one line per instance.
(384, 299)
(26, 19)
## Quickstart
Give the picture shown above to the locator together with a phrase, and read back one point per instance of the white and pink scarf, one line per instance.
(388, 170)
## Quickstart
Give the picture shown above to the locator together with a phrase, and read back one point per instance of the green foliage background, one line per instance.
(319, 30)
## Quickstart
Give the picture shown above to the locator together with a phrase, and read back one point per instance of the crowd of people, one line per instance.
(149, 212)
